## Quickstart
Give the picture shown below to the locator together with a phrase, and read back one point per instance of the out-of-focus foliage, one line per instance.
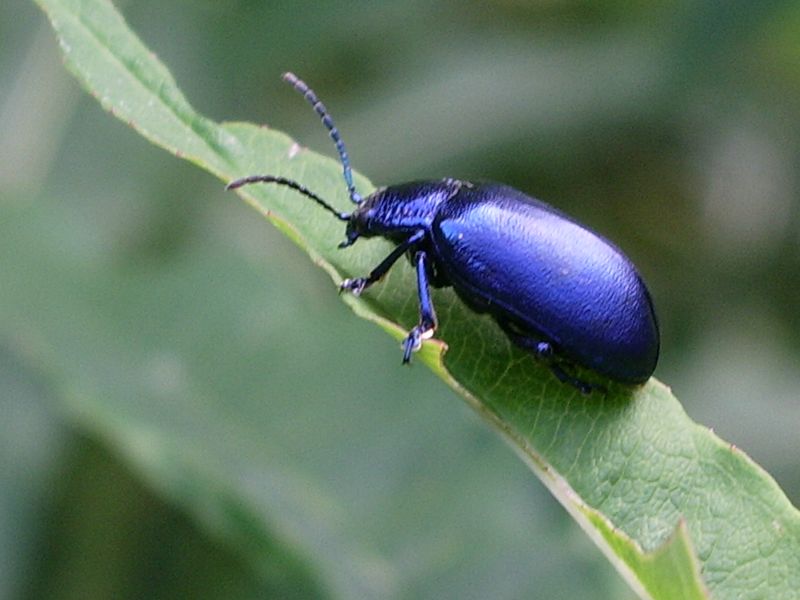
(624, 118)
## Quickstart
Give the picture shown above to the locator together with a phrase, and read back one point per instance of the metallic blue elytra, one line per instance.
(554, 287)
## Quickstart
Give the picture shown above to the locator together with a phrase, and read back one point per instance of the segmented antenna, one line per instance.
(320, 109)
(288, 183)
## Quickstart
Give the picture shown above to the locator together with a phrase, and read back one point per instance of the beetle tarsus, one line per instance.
(412, 343)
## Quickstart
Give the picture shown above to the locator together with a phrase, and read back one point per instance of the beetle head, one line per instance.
(396, 211)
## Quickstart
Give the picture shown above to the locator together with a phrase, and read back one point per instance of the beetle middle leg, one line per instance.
(427, 315)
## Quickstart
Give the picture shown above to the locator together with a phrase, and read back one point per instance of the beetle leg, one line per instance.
(359, 284)
(544, 352)
(427, 315)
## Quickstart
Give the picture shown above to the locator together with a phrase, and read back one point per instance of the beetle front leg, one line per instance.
(427, 315)
(359, 284)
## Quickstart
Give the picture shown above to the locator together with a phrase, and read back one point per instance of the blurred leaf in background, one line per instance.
(678, 123)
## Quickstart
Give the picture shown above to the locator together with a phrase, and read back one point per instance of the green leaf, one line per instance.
(646, 483)
(671, 571)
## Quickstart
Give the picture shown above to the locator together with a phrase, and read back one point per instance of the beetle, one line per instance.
(555, 287)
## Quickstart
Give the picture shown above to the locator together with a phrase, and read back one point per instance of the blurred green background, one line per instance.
(188, 410)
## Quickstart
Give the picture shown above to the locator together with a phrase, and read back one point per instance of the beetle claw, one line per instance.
(354, 286)
(413, 341)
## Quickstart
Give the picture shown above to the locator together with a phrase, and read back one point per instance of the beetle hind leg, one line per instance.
(545, 353)
(582, 386)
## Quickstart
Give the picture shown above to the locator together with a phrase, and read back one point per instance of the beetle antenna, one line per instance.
(320, 109)
(288, 183)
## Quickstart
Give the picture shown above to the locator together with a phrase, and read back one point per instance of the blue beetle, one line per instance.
(553, 286)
